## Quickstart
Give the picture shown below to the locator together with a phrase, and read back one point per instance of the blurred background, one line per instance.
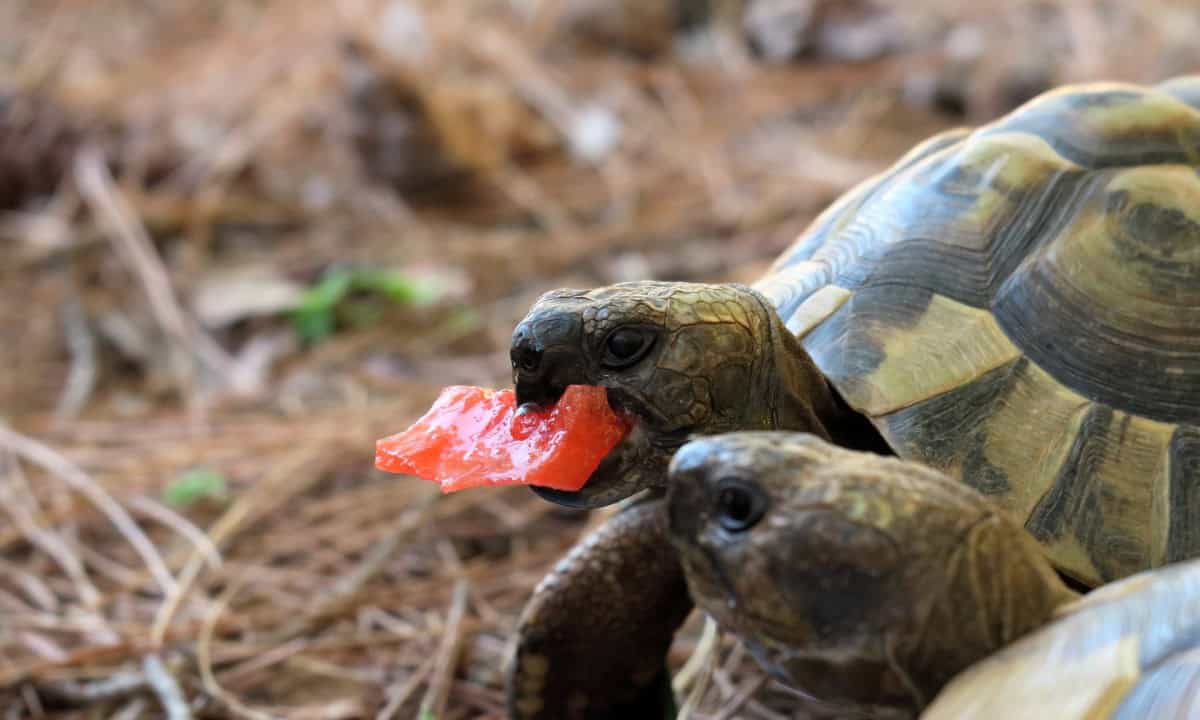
(243, 239)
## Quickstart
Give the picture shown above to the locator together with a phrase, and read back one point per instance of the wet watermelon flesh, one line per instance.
(472, 436)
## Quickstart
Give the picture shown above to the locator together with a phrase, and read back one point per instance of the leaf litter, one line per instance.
(190, 525)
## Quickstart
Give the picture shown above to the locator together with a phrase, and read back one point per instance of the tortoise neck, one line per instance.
(999, 587)
(853, 430)
(802, 399)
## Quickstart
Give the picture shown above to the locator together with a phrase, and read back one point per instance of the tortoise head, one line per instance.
(866, 582)
(679, 359)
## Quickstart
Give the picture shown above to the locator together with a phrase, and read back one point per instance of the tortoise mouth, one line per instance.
(627, 469)
(616, 478)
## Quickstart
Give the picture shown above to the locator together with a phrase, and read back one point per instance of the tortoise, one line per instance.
(1017, 306)
(871, 583)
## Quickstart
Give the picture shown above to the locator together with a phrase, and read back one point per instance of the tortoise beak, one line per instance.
(544, 386)
(546, 356)
(549, 353)
(537, 394)
(566, 498)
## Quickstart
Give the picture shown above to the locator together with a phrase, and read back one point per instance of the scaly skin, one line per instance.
(698, 360)
(606, 662)
(864, 581)
(1012, 305)
(710, 359)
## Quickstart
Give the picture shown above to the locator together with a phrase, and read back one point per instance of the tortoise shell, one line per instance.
(1127, 651)
(1019, 306)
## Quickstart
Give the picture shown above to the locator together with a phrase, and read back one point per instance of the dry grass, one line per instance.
(172, 174)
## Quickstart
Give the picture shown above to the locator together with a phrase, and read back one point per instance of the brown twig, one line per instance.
(58, 466)
(438, 693)
(204, 656)
(289, 478)
(81, 379)
(33, 587)
(697, 672)
(750, 686)
(263, 660)
(202, 543)
(134, 709)
(117, 685)
(399, 694)
(166, 688)
(26, 523)
(133, 244)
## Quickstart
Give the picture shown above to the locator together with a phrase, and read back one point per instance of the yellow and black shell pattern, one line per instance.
(1127, 651)
(1019, 306)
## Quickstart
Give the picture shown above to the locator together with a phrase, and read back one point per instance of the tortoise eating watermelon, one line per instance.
(1016, 306)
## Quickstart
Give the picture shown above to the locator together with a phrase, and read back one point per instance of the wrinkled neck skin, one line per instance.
(995, 592)
(796, 396)
(785, 391)
(864, 582)
(999, 587)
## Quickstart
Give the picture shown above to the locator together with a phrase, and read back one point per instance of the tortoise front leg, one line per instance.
(593, 640)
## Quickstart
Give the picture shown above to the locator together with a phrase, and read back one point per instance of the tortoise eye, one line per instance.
(625, 346)
(739, 505)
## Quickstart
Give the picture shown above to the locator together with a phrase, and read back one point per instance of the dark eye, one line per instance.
(625, 346)
(739, 505)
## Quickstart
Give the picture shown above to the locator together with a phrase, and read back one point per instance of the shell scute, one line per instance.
(1020, 305)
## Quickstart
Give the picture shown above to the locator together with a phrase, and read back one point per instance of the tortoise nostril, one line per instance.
(526, 351)
(526, 358)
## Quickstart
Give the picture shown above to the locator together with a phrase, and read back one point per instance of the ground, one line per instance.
(245, 239)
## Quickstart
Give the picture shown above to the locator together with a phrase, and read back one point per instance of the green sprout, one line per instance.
(315, 318)
(196, 484)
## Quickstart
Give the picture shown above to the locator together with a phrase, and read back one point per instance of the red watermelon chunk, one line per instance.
(472, 436)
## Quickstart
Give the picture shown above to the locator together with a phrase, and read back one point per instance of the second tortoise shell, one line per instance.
(1019, 306)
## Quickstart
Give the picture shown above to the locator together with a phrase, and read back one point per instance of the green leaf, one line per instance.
(195, 484)
(313, 325)
(315, 318)
(328, 291)
(397, 286)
